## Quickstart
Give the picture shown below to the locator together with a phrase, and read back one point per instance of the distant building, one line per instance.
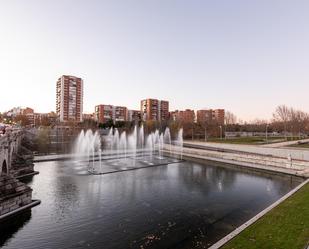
(134, 115)
(219, 115)
(69, 98)
(203, 116)
(88, 116)
(27, 110)
(45, 119)
(153, 109)
(211, 115)
(29, 113)
(120, 113)
(164, 110)
(104, 113)
(186, 116)
(14, 112)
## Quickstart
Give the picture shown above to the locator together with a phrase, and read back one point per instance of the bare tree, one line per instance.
(298, 121)
(282, 114)
(230, 118)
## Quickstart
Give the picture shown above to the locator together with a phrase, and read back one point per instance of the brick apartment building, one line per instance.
(104, 113)
(134, 115)
(153, 109)
(186, 116)
(29, 113)
(211, 115)
(69, 98)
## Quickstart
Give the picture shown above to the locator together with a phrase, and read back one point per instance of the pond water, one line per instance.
(180, 205)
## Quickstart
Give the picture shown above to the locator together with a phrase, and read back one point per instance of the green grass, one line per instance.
(300, 145)
(284, 227)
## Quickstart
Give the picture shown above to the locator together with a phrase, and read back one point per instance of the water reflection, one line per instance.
(10, 227)
(206, 178)
(181, 205)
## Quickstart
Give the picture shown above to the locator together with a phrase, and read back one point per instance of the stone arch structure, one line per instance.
(9, 145)
(4, 158)
(13, 150)
(4, 168)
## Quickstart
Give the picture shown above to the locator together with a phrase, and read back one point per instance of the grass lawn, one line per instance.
(284, 227)
(300, 145)
(250, 140)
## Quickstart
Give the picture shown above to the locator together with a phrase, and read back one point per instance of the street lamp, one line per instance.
(192, 131)
(220, 131)
(205, 132)
(266, 134)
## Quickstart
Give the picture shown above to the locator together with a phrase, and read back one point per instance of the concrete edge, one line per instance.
(237, 151)
(19, 210)
(130, 169)
(288, 171)
(241, 228)
(235, 166)
(26, 175)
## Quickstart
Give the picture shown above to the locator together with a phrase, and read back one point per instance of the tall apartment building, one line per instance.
(186, 116)
(153, 109)
(219, 115)
(120, 113)
(104, 113)
(69, 98)
(29, 113)
(134, 115)
(211, 115)
(164, 110)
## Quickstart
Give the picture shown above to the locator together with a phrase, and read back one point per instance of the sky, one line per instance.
(247, 56)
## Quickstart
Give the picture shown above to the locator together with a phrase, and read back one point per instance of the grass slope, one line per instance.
(284, 227)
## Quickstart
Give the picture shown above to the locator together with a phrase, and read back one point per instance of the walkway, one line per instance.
(285, 152)
(283, 144)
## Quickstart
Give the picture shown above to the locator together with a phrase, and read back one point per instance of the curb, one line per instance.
(238, 230)
(19, 210)
(26, 175)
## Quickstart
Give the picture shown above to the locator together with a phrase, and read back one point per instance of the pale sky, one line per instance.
(245, 56)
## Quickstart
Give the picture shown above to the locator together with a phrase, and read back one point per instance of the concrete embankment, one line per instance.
(254, 149)
(250, 159)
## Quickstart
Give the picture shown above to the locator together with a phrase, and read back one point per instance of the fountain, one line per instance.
(87, 146)
(179, 142)
(123, 151)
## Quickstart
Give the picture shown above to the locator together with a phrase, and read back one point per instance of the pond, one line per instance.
(179, 205)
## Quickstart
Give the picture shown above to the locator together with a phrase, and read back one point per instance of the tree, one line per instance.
(42, 140)
(108, 124)
(120, 124)
(22, 120)
(45, 121)
(230, 118)
(282, 114)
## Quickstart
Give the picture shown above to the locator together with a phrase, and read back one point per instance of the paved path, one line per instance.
(283, 144)
(277, 152)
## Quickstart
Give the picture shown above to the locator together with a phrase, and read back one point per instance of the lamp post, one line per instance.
(266, 134)
(205, 132)
(192, 131)
(220, 131)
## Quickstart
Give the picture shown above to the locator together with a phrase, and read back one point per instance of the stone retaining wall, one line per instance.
(284, 165)
(13, 194)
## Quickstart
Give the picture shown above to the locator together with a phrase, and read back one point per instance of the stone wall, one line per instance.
(13, 194)
(258, 161)
(15, 161)
(9, 145)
